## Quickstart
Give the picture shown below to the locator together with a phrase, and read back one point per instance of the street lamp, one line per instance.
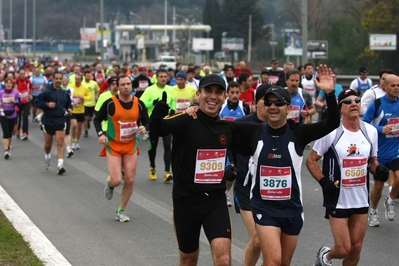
(188, 22)
(137, 16)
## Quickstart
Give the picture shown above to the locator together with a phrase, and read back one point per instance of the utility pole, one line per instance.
(304, 32)
(102, 30)
(249, 38)
(34, 29)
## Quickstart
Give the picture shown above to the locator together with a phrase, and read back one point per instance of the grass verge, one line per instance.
(13, 248)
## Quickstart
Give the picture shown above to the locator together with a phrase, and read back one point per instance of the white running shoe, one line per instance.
(77, 145)
(373, 219)
(389, 209)
(73, 146)
(121, 217)
(47, 164)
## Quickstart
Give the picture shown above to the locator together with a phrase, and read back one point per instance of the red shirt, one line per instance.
(237, 71)
(248, 97)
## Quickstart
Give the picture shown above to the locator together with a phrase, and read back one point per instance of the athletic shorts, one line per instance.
(241, 196)
(119, 149)
(289, 225)
(390, 164)
(345, 213)
(51, 130)
(89, 111)
(191, 213)
(79, 117)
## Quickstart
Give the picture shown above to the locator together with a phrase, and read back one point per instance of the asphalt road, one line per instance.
(72, 211)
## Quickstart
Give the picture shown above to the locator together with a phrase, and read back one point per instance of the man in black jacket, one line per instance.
(56, 104)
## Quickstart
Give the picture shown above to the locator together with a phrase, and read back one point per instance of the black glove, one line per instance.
(381, 173)
(329, 187)
(230, 173)
(155, 102)
(172, 112)
(161, 109)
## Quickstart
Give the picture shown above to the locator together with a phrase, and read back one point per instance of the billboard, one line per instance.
(383, 42)
(203, 44)
(233, 44)
(317, 49)
(293, 42)
(106, 36)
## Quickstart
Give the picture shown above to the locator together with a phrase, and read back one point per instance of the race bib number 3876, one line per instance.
(275, 183)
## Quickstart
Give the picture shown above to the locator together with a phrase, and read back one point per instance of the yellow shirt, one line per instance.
(78, 92)
(94, 89)
(184, 97)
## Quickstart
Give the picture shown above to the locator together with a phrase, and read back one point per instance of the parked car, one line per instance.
(166, 61)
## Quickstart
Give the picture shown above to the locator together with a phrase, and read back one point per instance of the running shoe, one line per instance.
(61, 170)
(77, 145)
(47, 164)
(86, 134)
(121, 217)
(24, 137)
(153, 174)
(73, 146)
(146, 136)
(228, 200)
(319, 257)
(389, 209)
(108, 191)
(373, 219)
(69, 153)
(7, 155)
(167, 176)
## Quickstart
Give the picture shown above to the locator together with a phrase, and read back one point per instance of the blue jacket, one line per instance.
(53, 116)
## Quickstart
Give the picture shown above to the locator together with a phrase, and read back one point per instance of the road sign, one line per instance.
(233, 44)
(317, 49)
(383, 42)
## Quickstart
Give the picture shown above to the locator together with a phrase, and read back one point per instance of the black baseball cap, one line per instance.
(212, 79)
(280, 92)
(261, 92)
(344, 94)
(112, 79)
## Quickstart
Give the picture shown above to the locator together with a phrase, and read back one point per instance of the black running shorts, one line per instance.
(210, 212)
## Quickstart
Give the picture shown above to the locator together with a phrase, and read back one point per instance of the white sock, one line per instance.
(68, 148)
(60, 162)
(47, 156)
(389, 189)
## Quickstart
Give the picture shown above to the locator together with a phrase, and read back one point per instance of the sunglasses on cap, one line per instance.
(278, 103)
(350, 100)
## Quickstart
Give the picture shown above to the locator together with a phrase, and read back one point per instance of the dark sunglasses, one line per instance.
(349, 100)
(278, 103)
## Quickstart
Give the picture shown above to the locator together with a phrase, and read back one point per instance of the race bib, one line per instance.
(273, 80)
(77, 102)
(209, 166)
(353, 172)
(143, 84)
(294, 113)
(229, 118)
(275, 183)
(8, 99)
(182, 105)
(394, 122)
(24, 96)
(311, 91)
(128, 131)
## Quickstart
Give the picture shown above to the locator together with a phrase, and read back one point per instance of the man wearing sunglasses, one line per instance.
(384, 118)
(350, 152)
(276, 190)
